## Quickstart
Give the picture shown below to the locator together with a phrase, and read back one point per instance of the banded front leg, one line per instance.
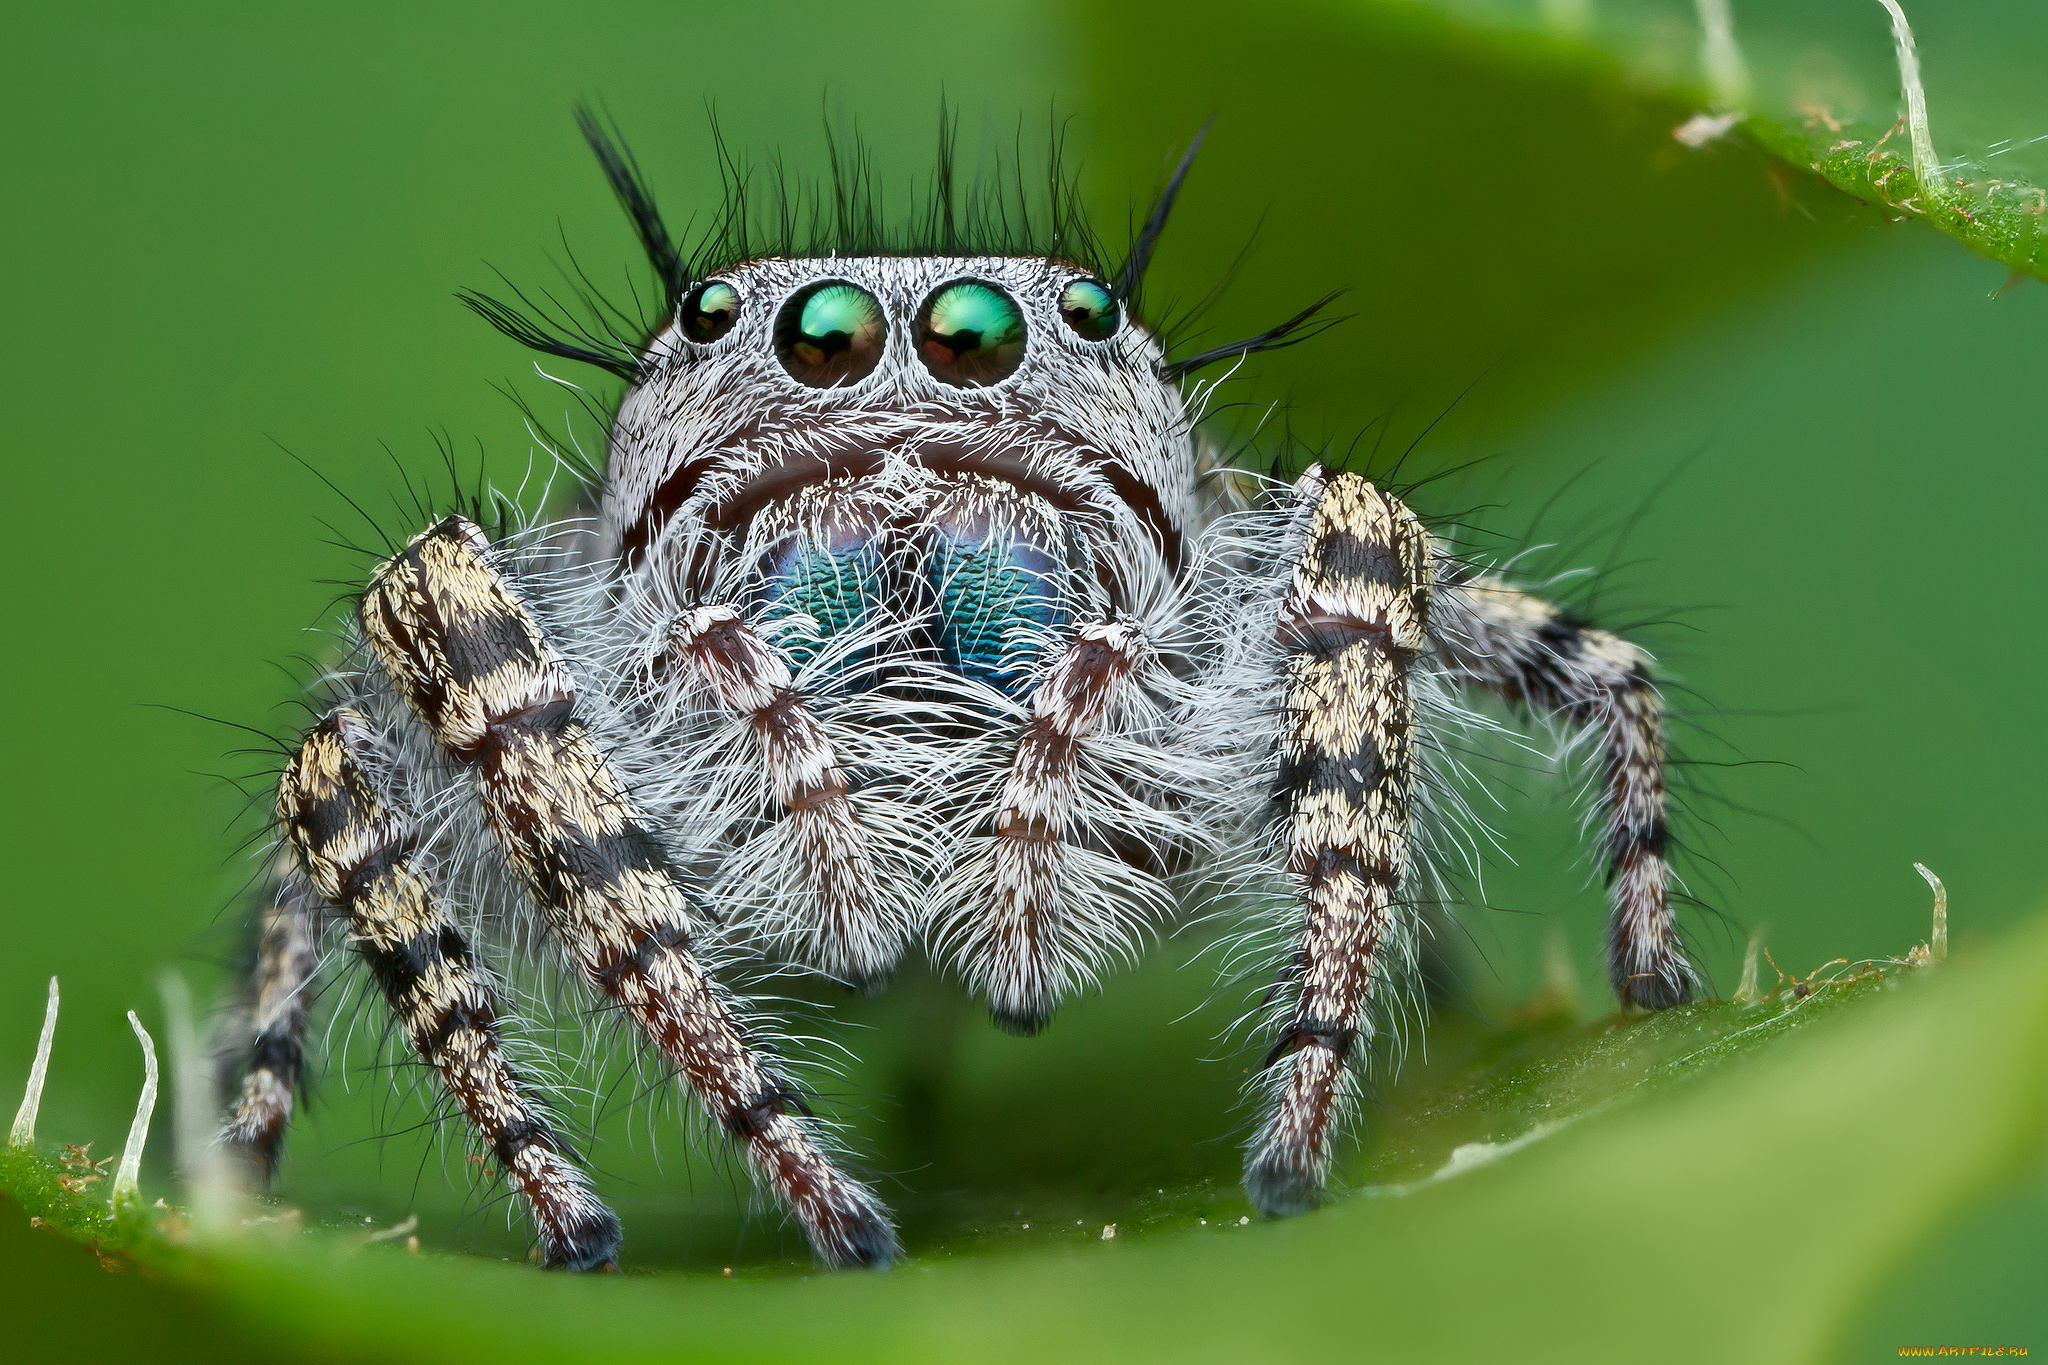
(848, 933)
(1354, 620)
(357, 855)
(1020, 927)
(474, 666)
(287, 954)
(1536, 657)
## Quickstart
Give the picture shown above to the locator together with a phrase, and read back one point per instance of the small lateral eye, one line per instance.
(971, 334)
(710, 310)
(1090, 309)
(831, 334)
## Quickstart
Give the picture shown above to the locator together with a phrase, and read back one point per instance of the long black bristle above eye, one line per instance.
(1133, 272)
(637, 199)
(942, 182)
(1297, 329)
(770, 211)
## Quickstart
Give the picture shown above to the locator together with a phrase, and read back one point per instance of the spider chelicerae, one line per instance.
(907, 610)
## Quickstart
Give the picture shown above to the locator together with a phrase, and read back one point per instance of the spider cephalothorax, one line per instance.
(931, 468)
(905, 614)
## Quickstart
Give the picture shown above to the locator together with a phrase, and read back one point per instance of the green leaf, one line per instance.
(1808, 85)
(1664, 1195)
(1495, 190)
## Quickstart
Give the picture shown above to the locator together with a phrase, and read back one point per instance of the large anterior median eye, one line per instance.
(831, 334)
(710, 310)
(1090, 309)
(970, 334)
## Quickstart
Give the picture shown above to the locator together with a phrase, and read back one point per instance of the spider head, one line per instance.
(903, 373)
(878, 380)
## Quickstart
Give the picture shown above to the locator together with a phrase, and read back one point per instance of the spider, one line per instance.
(908, 612)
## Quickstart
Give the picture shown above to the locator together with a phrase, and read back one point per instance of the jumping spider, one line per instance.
(908, 609)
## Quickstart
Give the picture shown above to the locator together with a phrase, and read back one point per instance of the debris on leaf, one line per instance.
(1701, 129)
(81, 1172)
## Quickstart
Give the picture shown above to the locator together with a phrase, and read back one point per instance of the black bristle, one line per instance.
(1133, 272)
(842, 214)
(1299, 328)
(637, 199)
(533, 331)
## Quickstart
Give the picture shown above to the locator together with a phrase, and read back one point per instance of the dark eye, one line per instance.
(831, 334)
(1090, 309)
(710, 310)
(970, 334)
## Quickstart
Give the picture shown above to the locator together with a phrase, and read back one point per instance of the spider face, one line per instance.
(907, 624)
(900, 374)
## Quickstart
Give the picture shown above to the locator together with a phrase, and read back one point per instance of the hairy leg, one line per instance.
(287, 954)
(847, 932)
(357, 855)
(1353, 622)
(1017, 941)
(1534, 655)
(474, 666)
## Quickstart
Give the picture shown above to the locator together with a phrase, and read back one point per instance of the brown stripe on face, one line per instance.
(677, 490)
(779, 481)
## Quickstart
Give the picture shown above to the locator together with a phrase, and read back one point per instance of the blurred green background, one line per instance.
(229, 230)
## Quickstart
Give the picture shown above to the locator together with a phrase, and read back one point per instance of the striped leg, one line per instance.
(287, 954)
(357, 855)
(1353, 623)
(848, 933)
(1532, 654)
(1023, 937)
(473, 664)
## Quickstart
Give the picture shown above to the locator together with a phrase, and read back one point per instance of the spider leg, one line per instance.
(1524, 649)
(1018, 940)
(849, 935)
(358, 856)
(287, 955)
(1353, 622)
(474, 666)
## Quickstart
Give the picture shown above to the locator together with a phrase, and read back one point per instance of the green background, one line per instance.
(229, 232)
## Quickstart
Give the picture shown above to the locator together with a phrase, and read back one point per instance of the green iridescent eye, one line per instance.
(831, 334)
(971, 334)
(1090, 309)
(710, 310)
